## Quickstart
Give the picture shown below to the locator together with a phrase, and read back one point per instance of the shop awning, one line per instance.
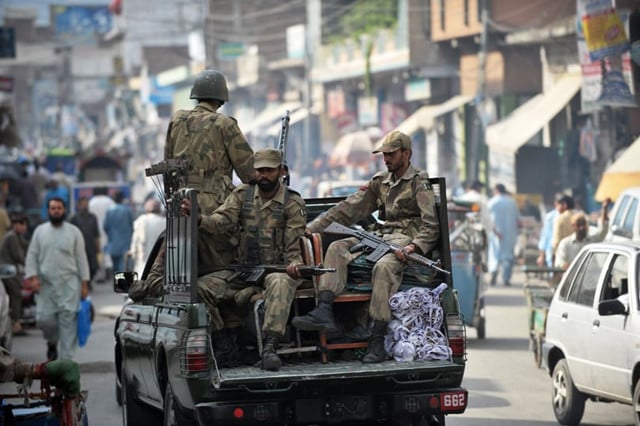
(524, 122)
(424, 118)
(269, 116)
(622, 174)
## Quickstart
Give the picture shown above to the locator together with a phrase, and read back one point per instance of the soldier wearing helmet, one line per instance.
(217, 147)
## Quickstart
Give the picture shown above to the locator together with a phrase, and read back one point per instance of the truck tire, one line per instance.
(568, 402)
(133, 412)
(173, 416)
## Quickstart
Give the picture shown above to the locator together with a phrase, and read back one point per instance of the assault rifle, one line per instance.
(254, 274)
(282, 146)
(378, 247)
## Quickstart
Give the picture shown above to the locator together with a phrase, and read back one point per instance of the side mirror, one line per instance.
(8, 271)
(612, 307)
(123, 280)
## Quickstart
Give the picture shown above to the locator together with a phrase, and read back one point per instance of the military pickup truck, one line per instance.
(167, 373)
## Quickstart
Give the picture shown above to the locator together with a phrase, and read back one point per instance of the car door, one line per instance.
(571, 313)
(611, 335)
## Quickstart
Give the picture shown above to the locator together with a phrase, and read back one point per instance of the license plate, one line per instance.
(453, 401)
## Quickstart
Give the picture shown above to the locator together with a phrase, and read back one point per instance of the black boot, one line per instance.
(270, 359)
(225, 348)
(375, 351)
(320, 318)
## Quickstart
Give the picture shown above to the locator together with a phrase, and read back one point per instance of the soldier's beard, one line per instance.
(266, 185)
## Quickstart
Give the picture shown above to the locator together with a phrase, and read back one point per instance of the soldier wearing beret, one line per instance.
(217, 147)
(271, 219)
(405, 200)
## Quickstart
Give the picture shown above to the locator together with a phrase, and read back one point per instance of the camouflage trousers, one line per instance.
(386, 275)
(223, 293)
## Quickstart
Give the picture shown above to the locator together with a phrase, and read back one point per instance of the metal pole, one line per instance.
(478, 135)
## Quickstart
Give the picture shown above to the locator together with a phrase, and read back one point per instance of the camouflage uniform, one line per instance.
(408, 207)
(215, 144)
(265, 237)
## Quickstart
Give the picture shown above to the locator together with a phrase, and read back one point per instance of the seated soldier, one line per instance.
(407, 203)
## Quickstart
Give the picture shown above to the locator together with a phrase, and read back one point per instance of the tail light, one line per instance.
(457, 335)
(195, 352)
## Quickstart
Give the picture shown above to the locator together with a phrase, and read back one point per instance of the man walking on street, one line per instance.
(118, 225)
(58, 272)
(406, 202)
(13, 250)
(146, 230)
(87, 222)
(271, 218)
(216, 147)
(502, 239)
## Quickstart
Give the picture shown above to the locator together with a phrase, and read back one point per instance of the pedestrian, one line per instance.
(13, 250)
(505, 215)
(271, 218)
(545, 248)
(216, 147)
(58, 272)
(99, 203)
(118, 225)
(54, 190)
(87, 222)
(146, 229)
(562, 225)
(473, 194)
(570, 246)
(406, 203)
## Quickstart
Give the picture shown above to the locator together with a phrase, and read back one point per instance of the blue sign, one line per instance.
(81, 20)
(160, 95)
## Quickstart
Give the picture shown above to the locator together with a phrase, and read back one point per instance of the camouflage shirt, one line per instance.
(407, 205)
(269, 226)
(215, 144)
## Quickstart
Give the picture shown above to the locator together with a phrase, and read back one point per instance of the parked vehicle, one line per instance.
(592, 331)
(164, 358)
(625, 217)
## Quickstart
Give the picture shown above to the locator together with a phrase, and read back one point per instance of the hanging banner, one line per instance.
(603, 29)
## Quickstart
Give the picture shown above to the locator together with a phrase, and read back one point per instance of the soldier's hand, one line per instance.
(401, 253)
(292, 271)
(185, 206)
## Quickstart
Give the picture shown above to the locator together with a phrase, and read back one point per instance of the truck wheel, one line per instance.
(172, 414)
(133, 412)
(568, 402)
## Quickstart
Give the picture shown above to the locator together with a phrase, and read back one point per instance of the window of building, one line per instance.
(442, 15)
(466, 12)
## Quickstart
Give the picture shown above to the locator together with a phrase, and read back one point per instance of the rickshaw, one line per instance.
(468, 246)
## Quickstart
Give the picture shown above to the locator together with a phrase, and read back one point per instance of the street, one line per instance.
(505, 387)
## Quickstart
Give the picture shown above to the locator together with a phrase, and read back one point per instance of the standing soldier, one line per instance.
(216, 147)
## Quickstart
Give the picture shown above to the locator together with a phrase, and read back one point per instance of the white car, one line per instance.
(625, 217)
(592, 331)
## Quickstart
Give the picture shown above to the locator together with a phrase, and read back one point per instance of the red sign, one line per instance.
(6, 84)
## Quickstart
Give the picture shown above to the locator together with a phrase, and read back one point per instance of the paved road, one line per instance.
(505, 387)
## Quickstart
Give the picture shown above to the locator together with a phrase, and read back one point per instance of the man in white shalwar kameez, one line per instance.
(504, 214)
(58, 271)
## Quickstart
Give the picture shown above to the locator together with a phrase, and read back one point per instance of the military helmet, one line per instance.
(210, 84)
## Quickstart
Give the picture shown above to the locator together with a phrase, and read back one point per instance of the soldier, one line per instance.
(271, 220)
(216, 146)
(406, 202)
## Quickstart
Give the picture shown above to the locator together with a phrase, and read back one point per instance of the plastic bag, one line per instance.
(84, 321)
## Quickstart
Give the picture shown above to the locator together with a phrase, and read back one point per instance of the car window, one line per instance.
(564, 290)
(617, 220)
(630, 217)
(617, 278)
(583, 290)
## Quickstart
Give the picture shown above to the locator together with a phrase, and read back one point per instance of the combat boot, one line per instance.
(270, 359)
(225, 348)
(320, 318)
(375, 350)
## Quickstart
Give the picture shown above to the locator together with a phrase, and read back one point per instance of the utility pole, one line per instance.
(311, 40)
(478, 135)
